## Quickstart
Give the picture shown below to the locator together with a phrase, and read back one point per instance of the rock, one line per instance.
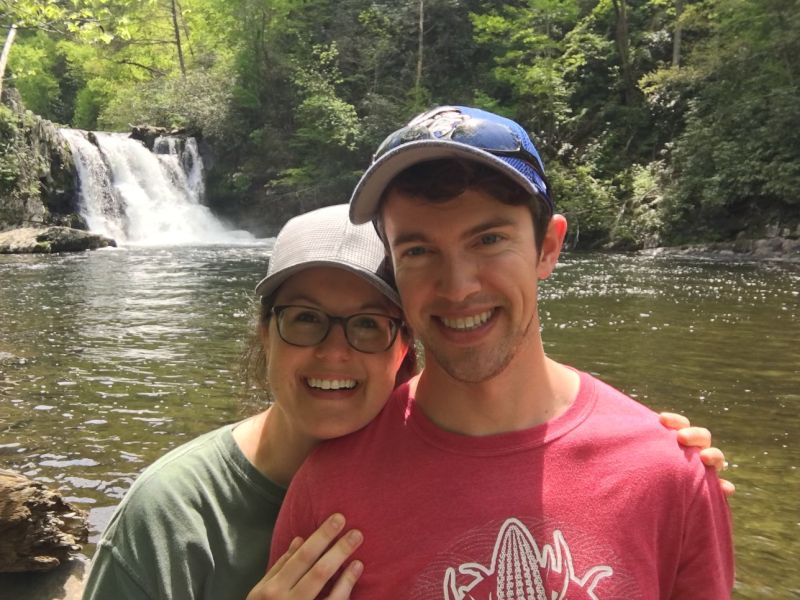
(38, 529)
(147, 134)
(65, 582)
(771, 249)
(38, 185)
(36, 240)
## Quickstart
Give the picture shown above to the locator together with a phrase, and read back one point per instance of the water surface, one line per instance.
(110, 358)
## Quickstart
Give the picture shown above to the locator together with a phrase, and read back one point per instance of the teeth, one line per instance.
(332, 384)
(470, 322)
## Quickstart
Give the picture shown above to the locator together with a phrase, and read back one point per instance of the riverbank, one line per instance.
(47, 240)
(776, 249)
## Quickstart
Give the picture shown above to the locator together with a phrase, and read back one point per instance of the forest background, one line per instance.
(660, 121)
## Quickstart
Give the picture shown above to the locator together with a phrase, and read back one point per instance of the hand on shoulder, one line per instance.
(699, 437)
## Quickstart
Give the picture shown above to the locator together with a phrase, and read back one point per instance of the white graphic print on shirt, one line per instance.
(516, 567)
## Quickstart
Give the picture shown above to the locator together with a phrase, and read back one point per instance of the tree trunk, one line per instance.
(177, 31)
(676, 38)
(38, 529)
(185, 30)
(4, 56)
(623, 48)
(420, 48)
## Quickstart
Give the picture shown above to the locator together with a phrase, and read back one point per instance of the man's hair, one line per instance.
(441, 180)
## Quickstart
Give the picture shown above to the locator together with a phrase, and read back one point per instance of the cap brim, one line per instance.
(270, 283)
(365, 201)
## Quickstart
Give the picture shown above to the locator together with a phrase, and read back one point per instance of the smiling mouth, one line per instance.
(331, 384)
(467, 323)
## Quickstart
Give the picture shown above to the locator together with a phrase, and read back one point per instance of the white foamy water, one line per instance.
(140, 197)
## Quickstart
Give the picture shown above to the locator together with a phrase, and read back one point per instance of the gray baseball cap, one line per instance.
(326, 238)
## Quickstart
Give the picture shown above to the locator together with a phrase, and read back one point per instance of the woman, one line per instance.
(197, 523)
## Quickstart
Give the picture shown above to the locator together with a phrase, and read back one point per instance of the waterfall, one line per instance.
(140, 197)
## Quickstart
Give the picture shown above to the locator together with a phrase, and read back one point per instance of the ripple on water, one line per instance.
(149, 340)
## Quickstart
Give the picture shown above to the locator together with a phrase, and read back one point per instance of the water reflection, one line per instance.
(717, 342)
(109, 358)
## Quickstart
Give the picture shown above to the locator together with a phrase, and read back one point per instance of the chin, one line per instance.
(330, 431)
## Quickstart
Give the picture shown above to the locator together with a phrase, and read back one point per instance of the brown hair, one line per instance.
(444, 179)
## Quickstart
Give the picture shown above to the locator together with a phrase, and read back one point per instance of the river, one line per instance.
(110, 358)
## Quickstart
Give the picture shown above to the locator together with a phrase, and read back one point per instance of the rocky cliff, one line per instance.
(37, 175)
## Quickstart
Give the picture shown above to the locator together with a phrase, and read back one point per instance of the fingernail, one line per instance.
(337, 521)
(355, 537)
(356, 568)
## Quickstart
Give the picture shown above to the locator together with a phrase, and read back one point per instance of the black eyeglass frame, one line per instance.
(397, 323)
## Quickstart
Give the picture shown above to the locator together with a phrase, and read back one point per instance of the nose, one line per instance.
(457, 278)
(334, 347)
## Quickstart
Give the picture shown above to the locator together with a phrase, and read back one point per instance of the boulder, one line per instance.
(39, 530)
(46, 240)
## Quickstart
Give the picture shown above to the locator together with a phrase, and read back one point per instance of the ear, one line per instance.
(551, 246)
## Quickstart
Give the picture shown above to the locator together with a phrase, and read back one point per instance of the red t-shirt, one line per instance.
(599, 503)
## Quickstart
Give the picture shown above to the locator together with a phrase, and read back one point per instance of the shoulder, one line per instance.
(631, 433)
(159, 519)
(168, 488)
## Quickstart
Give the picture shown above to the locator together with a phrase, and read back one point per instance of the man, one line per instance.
(500, 473)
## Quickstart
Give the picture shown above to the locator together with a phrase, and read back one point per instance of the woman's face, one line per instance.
(331, 389)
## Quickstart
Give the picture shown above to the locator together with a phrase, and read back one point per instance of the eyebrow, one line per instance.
(416, 236)
(365, 307)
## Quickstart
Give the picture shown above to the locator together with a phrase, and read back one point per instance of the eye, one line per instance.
(305, 316)
(415, 251)
(365, 322)
(487, 239)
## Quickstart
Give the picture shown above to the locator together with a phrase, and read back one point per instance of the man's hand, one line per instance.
(307, 566)
(699, 437)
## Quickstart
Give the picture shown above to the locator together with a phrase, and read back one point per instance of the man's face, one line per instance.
(467, 270)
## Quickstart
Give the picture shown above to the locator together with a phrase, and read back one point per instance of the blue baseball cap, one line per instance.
(452, 132)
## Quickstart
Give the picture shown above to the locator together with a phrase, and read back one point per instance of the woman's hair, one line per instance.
(254, 357)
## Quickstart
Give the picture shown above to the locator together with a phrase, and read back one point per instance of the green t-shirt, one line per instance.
(197, 523)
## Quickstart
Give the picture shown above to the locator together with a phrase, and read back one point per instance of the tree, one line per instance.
(12, 32)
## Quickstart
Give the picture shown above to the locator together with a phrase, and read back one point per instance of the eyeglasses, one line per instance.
(489, 136)
(306, 326)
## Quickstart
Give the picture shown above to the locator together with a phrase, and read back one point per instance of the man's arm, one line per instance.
(706, 569)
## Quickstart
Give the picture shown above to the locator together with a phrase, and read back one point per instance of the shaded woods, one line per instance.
(661, 121)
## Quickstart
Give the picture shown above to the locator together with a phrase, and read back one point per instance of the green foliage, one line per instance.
(737, 163)
(9, 165)
(293, 96)
(198, 102)
(326, 120)
(639, 221)
(32, 66)
(587, 201)
(19, 183)
(90, 101)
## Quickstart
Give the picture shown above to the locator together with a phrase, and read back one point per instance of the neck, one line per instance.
(530, 391)
(272, 445)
